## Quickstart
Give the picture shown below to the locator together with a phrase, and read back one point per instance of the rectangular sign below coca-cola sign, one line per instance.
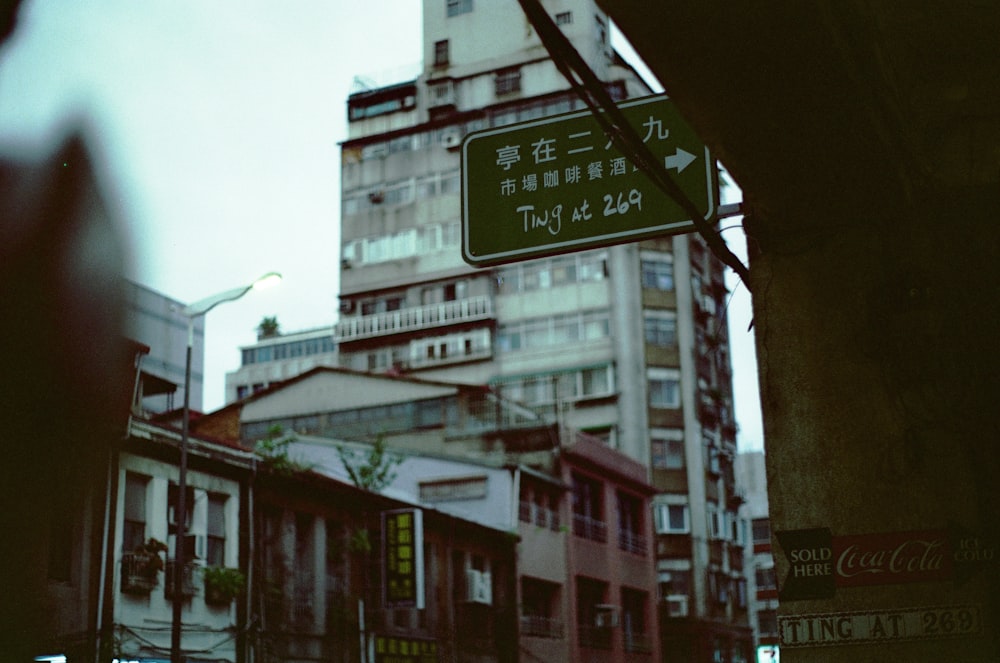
(871, 626)
(821, 562)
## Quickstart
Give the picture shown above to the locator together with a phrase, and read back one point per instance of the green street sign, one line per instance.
(558, 184)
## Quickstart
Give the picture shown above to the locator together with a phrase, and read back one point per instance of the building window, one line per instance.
(554, 331)
(664, 388)
(761, 529)
(634, 620)
(630, 537)
(457, 7)
(716, 522)
(719, 586)
(594, 617)
(540, 609)
(675, 583)
(766, 579)
(667, 448)
(507, 81)
(554, 272)
(672, 517)
(588, 512)
(564, 18)
(767, 622)
(441, 53)
(660, 328)
(215, 554)
(658, 272)
(134, 526)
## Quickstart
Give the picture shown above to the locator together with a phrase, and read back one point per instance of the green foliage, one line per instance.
(360, 542)
(268, 327)
(372, 471)
(223, 580)
(273, 450)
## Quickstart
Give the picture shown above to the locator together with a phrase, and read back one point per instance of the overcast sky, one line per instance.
(218, 124)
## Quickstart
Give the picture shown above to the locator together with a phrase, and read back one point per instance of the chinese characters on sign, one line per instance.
(403, 559)
(396, 649)
(559, 184)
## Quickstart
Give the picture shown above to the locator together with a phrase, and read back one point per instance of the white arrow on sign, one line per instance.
(680, 160)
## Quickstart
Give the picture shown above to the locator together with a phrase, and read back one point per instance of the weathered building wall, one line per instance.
(878, 364)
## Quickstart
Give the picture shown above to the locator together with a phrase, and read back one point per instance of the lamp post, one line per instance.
(191, 312)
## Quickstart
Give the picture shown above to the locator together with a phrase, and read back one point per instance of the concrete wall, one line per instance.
(878, 359)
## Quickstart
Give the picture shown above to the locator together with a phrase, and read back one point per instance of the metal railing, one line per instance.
(632, 542)
(589, 528)
(140, 572)
(541, 627)
(190, 582)
(637, 642)
(413, 319)
(529, 512)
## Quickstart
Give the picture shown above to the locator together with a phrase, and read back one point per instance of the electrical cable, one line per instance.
(586, 84)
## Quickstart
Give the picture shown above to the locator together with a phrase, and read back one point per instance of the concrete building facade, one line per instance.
(626, 343)
(276, 358)
(156, 320)
(580, 511)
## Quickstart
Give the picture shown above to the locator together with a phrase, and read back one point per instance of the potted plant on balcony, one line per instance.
(222, 584)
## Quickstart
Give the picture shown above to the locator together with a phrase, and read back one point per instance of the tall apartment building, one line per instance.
(627, 343)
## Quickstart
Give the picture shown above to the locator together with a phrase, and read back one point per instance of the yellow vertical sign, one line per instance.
(403, 559)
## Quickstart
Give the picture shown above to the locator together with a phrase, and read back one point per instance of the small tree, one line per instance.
(268, 327)
(273, 450)
(372, 471)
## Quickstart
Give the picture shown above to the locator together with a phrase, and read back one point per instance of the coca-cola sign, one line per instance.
(882, 559)
(820, 562)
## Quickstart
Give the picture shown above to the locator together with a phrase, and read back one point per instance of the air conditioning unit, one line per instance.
(605, 616)
(677, 606)
(451, 139)
(479, 587)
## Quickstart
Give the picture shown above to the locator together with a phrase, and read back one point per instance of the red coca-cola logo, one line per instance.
(878, 559)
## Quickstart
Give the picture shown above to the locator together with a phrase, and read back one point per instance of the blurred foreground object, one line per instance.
(66, 376)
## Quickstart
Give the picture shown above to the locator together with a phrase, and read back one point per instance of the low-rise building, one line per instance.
(278, 357)
(142, 543)
(586, 582)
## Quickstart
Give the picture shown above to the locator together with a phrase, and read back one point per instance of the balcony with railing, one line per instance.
(635, 642)
(408, 320)
(632, 542)
(590, 528)
(538, 626)
(190, 581)
(529, 512)
(140, 572)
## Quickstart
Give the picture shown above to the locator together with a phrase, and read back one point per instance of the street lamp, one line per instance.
(191, 312)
